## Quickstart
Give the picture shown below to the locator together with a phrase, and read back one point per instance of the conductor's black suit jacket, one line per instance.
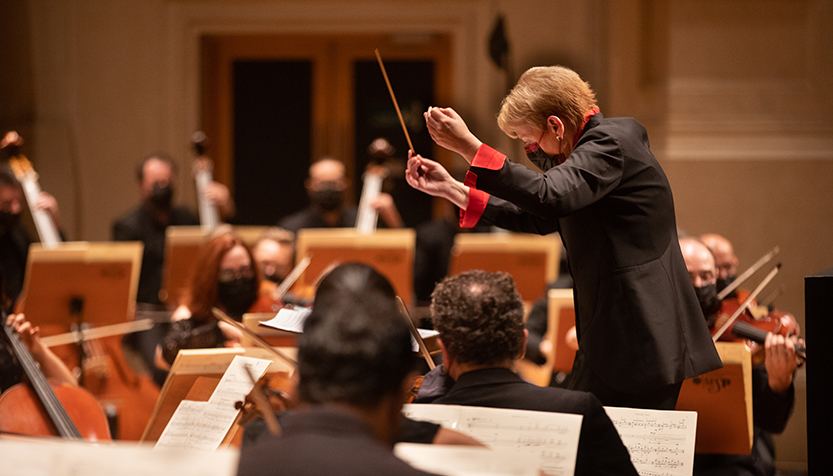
(638, 321)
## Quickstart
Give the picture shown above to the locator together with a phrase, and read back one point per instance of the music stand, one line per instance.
(82, 283)
(722, 399)
(532, 260)
(391, 252)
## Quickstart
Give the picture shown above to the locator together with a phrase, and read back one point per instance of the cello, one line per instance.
(202, 169)
(41, 408)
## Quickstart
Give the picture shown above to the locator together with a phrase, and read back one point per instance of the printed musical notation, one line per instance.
(552, 438)
(203, 425)
(661, 443)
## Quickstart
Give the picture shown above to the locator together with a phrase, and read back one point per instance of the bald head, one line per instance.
(724, 257)
(326, 171)
(699, 261)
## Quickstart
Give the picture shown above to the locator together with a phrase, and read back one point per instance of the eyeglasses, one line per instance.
(228, 275)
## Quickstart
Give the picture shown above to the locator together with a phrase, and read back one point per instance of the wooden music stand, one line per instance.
(274, 337)
(80, 282)
(182, 243)
(391, 252)
(195, 374)
(561, 317)
(722, 399)
(532, 260)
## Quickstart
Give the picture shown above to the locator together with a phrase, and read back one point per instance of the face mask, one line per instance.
(237, 295)
(327, 199)
(8, 220)
(541, 159)
(722, 283)
(274, 277)
(709, 304)
(161, 196)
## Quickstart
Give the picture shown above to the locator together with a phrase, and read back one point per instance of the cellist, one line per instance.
(773, 392)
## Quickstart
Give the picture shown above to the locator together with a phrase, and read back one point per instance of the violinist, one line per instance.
(274, 252)
(325, 186)
(724, 257)
(224, 276)
(773, 393)
(355, 368)
(14, 240)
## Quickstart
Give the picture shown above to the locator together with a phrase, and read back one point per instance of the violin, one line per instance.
(42, 408)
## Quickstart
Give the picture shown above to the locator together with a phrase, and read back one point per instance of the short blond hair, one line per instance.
(544, 91)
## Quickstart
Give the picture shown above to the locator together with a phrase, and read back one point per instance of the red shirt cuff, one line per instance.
(488, 158)
(476, 204)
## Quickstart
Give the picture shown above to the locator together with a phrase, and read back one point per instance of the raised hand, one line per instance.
(432, 178)
(449, 130)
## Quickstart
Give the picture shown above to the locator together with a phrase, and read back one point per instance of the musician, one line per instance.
(11, 372)
(479, 316)
(355, 368)
(224, 276)
(602, 188)
(274, 252)
(325, 186)
(156, 176)
(724, 256)
(14, 240)
(773, 392)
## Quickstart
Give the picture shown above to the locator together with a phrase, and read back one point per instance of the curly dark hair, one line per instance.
(479, 316)
(356, 346)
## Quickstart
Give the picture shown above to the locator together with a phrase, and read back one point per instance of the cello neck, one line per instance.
(367, 216)
(58, 415)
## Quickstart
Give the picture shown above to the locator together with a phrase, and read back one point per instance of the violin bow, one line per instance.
(748, 273)
(220, 315)
(292, 277)
(746, 303)
(262, 404)
(423, 349)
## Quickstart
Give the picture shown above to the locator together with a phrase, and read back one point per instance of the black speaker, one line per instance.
(818, 331)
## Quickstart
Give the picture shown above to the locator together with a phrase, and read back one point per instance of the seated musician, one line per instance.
(274, 252)
(14, 240)
(724, 257)
(11, 373)
(224, 276)
(325, 186)
(479, 316)
(355, 368)
(773, 393)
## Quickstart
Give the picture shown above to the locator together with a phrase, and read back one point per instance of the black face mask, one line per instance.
(327, 199)
(237, 295)
(722, 283)
(8, 220)
(541, 159)
(709, 304)
(161, 196)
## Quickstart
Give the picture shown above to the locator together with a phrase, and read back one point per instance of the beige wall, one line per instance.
(736, 97)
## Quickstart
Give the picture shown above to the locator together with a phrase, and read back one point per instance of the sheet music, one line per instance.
(661, 443)
(203, 425)
(550, 437)
(454, 460)
(57, 457)
(291, 320)
(425, 334)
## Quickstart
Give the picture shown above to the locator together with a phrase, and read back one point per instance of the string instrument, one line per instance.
(28, 178)
(367, 217)
(41, 408)
(202, 169)
(271, 296)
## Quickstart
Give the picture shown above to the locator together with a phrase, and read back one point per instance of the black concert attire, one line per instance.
(140, 225)
(14, 250)
(322, 440)
(640, 329)
(600, 450)
(771, 413)
(310, 217)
